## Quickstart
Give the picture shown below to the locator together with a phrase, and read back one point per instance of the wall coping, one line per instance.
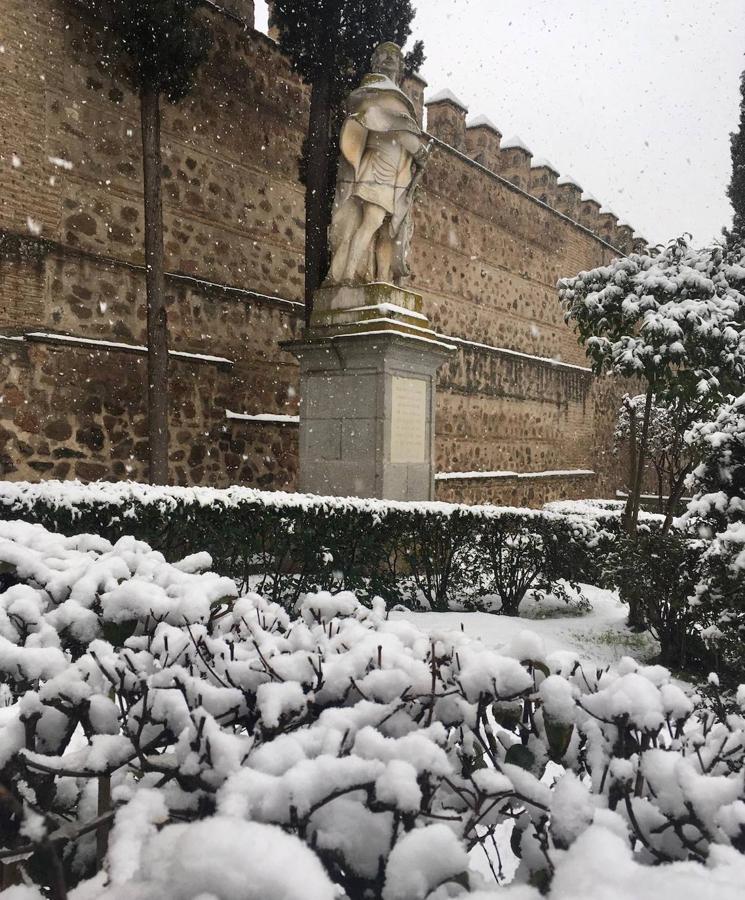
(507, 476)
(49, 337)
(263, 418)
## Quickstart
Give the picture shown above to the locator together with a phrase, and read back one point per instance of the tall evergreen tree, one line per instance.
(736, 190)
(162, 44)
(330, 43)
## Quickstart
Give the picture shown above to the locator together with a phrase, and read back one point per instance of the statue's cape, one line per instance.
(378, 104)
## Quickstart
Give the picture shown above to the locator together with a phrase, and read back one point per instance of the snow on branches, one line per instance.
(672, 319)
(166, 738)
(674, 316)
(719, 507)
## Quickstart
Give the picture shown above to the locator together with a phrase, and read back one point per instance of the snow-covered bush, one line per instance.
(165, 737)
(718, 508)
(674, 320)
(659, 572)
(283, 545)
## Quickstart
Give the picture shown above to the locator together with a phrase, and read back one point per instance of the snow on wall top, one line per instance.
(516, 143)
(446, 96)
(482, 121)
(567, 179)
(541, 162)
(607, 211)
(587, 197)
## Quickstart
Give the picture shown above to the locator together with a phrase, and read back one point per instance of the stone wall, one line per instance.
(486, 257)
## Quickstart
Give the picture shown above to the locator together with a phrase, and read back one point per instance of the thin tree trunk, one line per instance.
(317, 189)
(157, 323)
(676, 492)
(102, 832)
(640, 460)
(632, 462)
(636, 614)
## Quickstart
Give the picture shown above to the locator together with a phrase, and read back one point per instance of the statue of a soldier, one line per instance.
(382, 154)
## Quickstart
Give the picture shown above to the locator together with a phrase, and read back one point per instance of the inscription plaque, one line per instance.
(408, 420)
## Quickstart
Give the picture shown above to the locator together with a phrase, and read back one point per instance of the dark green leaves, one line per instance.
(164, 41)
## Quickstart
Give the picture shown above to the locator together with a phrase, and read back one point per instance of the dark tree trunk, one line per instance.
(317, 205)
(632, 464)
(677, 488)
(640, 460)
(157, 324)
(636, 613)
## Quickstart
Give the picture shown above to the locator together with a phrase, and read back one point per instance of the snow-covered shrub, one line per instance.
(659, 573)
(673, 319)
(516, 557)
(167, 738)
(718, 508)
(283, 545)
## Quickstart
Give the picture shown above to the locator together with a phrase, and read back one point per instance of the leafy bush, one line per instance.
(284, 545)
(659, 573)
(166, 738)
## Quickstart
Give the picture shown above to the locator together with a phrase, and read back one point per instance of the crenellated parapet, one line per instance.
(589, 212)
(514, 162)
(482, 142)
(543, 181)
(511, 158)
(607, 224)
(414, 86)
(568, 196)
(446, 119)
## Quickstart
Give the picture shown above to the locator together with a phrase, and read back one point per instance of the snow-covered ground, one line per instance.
(599, 636)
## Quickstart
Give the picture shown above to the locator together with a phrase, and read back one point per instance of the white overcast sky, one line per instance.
(633, 98)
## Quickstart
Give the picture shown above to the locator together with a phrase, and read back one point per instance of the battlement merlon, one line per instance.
(481, 140)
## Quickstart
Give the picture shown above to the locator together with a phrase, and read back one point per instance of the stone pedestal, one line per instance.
(368, 365)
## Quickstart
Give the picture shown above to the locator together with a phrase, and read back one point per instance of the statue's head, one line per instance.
(388, 60)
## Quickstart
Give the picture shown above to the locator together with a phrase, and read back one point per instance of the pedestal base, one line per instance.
(367, 398)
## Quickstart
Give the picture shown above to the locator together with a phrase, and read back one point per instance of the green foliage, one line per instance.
(736, 189)
(164, 41)
(335, 39)
(659, 572)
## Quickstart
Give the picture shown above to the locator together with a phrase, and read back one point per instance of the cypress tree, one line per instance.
(162, 45)
(330, 44)
(736, 190)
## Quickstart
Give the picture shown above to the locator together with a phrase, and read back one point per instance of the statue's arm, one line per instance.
(415, 145)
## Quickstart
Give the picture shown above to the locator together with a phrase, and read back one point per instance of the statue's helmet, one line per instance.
(388, 59)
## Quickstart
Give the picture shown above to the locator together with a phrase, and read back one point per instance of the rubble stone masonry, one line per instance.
(486, 256)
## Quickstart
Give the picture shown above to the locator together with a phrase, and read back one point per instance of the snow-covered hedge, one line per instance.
(163, 737)
(283, 545)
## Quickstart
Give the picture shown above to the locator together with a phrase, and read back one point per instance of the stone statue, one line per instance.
(382, 155)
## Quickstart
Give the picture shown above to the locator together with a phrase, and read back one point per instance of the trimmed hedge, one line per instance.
(283, 545)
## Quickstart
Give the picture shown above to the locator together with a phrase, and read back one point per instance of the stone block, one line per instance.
(358, 436)
(323, 439)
